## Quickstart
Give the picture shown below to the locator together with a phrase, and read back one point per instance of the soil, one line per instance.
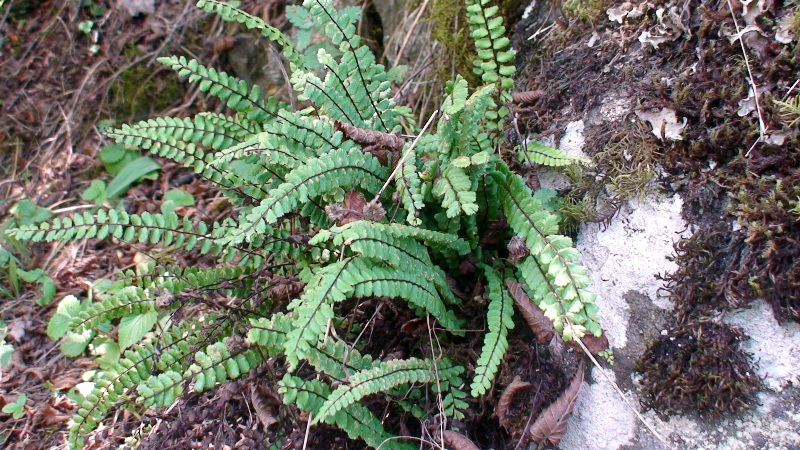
(70, 69)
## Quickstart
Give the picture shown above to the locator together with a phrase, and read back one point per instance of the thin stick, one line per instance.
(408, 33)
(762, 127)
(621, 394)
(308, 431)
(405, 155)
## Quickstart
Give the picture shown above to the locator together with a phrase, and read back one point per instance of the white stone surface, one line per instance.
(601, 420)
(776, 348)
(626, 256)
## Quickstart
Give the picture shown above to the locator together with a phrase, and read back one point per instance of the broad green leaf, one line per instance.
(6, 350)
(130, 174)
(108, 352)
(133, 328)
(180, 197)
(17, 408)
(68, 309)
(75, 344)
(41, 277)
(27, 213)
(115, 157)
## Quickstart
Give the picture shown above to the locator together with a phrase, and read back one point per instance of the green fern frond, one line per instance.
(237, 94)
(175, 279)
(337, 359)
(463, 125)
(110, 388)
(334, 358)
(365, 83)
(495, 342)
(215, 131)
(300, 134)
(128, 301)
(409, 189)
(538, 153)
(360, 423)
(313, 310)
(561, 303)
(217, 364)
(165, 229)
(339, 169)
(385, 375)
(160, 390)
(455, 188)
(495, 62)
(448, 387)
(356, 420)
(371, 240)
(411, 284)
(446, 243)
(554, 268)
(345, 97)
(270, 333)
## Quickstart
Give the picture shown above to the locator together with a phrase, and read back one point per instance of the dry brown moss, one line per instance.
(698, 368)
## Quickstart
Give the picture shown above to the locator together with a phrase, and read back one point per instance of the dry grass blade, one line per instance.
(457, 441)
(504, 404)
(551, 424)
(542, 326)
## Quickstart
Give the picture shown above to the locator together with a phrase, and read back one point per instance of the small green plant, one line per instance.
(127, 166)
(332, 207)
(6, 350)
(16, 408)
(790, 110)
(24, 213)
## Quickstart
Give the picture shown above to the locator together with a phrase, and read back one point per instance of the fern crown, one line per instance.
(329, 206)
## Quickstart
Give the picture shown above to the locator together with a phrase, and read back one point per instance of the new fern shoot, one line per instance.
(331, 205)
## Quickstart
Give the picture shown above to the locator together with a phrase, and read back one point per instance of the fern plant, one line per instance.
(331, 204)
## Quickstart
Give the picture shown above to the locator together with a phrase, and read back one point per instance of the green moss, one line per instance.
(140, 91)
(448, 27)
(588, 11)
(621, 170)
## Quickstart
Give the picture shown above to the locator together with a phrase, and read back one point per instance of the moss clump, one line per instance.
(588, 11)
(140, 91)
(698, 367)
(622, 169)
(704, 282)
(766, 206)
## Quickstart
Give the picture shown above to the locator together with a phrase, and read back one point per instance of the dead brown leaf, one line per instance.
(506, 398)
(50, 416)
(517, 249)
(542, 326)
(263, 410)
(551, 424)
(458, 441)
(595, 344)
(16, 329)
(354, 207)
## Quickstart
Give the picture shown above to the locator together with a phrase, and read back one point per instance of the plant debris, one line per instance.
(698, 367)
